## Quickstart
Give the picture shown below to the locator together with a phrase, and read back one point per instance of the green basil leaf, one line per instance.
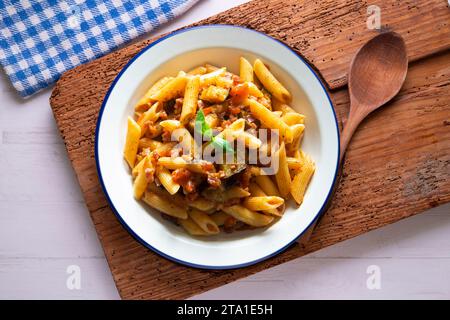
(223, 144)
(200, 123)
(208, 134)
(202, 127)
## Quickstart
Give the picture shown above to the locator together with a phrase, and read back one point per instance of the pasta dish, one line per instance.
(214, 151)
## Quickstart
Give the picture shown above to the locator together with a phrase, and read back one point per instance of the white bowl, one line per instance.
(222, 46)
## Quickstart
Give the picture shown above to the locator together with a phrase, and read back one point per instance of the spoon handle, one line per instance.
(354, 119)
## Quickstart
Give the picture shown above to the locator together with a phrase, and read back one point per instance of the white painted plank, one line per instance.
(35, 136)
(36, 172)
(50, 230)
(47, 279)
(425, 235)
(340, 278)
(16, 112)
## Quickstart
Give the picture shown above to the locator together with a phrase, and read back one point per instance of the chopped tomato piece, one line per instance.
(235, 110)
(181, 176)
(207, 110)
(166, 135)
(239, 93)
(236, 79)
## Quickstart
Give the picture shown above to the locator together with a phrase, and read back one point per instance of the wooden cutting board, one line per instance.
(398, 163)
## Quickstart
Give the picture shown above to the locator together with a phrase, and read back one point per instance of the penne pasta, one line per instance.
(302, 179)
(220, 218)
(280, 106)
(253, 90)
(191, 227)
(247, 216)
(179, 162)
(222, 196)
(232, 130)
(297, 134)
(214, 94)
(204, 221)
(151, 115)
(297, 131)
(165, 177)
(255, 171)
(140, 183)
(200, 203)
(172, 89)
(249, 140)
(171, 124)
(203, 204)
(267, 185)
(132, 142)
(282, 176)
(149, 143)
(137, 168)
(153, 131)
(298, 155)
(292, 118)
(270, 82)
(269, 119)
(245, 70)
(263, 203)
(235, 192)
(144, 103)
(164, 205)
(186, 141)
(256, 191)
(212, 77)
(198, 71)
(190, 100)
(180, 134)
(166, 147)
(177, 198)
(277, 113)
(294, 163)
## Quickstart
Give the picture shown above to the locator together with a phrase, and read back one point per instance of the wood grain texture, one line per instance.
(326, 33)
(397, 165)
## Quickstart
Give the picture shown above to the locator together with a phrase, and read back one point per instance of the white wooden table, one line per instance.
(45, 227)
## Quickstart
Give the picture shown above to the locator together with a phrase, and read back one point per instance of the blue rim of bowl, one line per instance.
(117, 214)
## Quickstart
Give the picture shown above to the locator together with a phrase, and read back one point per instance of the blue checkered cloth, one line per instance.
(41, 39)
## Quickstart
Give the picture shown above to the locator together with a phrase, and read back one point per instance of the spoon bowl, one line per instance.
(377, 73)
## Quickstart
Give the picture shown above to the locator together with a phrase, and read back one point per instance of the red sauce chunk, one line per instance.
(239, 93)
(235, 110)
(214, 180)
(190, 187)
(207, 166)
(166, 135)
(181, 176)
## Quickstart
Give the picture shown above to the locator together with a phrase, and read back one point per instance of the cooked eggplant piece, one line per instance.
(232, 169)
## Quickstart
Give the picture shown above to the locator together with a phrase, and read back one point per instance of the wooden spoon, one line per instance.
(377, 72)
